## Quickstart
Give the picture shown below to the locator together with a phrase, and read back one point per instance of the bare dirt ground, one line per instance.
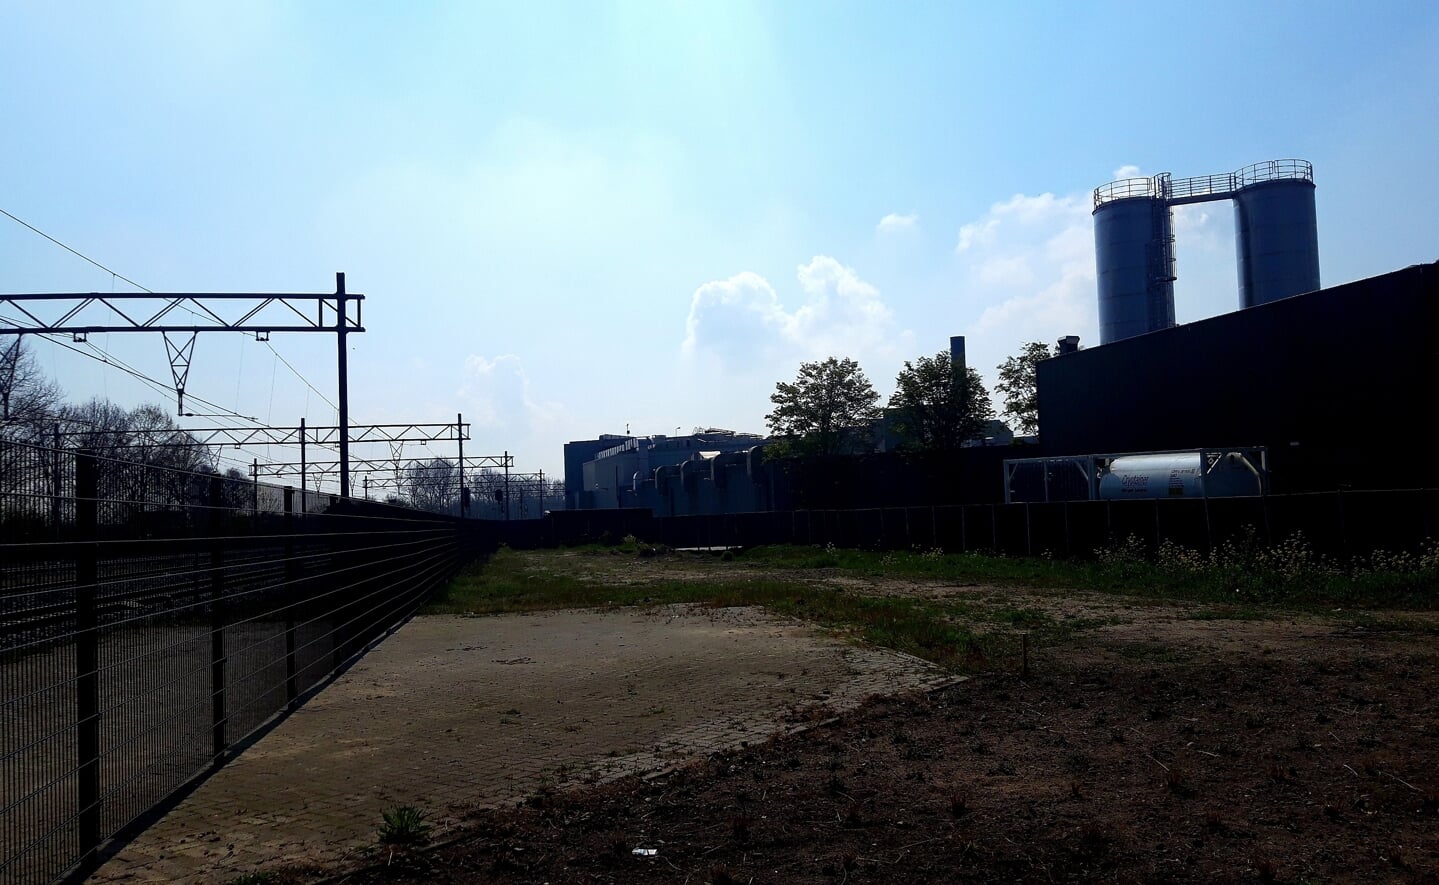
(454, 712)
(1148, 742)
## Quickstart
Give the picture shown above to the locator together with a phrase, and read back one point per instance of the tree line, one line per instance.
(830, 408)
(146, 457)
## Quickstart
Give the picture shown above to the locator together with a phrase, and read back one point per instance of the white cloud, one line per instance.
(893, 223)
(1027, 266)
(496, 394)
(742, 319)
(1129, 171)
(975, 234)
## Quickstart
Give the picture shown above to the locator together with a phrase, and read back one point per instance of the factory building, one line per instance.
(1315, 379)
(609, 475)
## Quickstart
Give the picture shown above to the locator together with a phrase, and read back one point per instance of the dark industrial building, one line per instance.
(1332, 382)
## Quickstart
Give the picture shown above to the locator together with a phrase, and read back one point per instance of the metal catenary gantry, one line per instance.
(83, 314)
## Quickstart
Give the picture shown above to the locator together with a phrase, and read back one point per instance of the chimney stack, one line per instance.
(956, 351)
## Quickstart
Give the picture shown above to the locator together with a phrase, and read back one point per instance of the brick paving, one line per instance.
(456, 712)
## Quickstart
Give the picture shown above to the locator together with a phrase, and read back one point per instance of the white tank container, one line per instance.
(1177, 475)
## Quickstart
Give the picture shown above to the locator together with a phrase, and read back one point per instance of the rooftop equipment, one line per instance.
(1276, 239)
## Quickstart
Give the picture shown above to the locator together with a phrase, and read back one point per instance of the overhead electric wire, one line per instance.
(118, 275)
(302, 378)
(74, 251)
(99, 355)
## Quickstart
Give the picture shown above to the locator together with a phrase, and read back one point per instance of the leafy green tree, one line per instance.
(826, 410)
(1018, 385)
(939, 406)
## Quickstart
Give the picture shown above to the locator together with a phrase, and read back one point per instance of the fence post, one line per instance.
(87, 657)
(1343, 529)
(292, 590)
(1028, 534)
(994, 528)
(1068, 543)
(56, 486)
(217, 625)
(1208, 529)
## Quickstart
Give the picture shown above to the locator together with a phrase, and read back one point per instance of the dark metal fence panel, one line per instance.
(153, 618)
(1340, 525)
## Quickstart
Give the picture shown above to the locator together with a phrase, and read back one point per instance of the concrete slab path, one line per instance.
(454, 712)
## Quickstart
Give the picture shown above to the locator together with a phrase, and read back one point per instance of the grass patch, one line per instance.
(1023, 618)
(1241, 576)
(1155, 652)
(1230, 613)
(924, 629)
(1236, 582)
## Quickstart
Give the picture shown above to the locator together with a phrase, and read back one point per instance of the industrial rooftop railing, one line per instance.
(1203, 187)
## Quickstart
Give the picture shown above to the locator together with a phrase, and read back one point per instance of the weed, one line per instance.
(739, 826)
(959, 804)
(404, 825)
(1093, 835)
(1177, 783)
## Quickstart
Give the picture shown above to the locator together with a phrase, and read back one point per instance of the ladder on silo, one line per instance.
(1159, 252)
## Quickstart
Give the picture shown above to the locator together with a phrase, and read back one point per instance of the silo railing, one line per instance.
(1201, 186)
(1275, 170)
(1124, 189)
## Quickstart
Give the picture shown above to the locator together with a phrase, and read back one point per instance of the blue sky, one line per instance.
(569, 218)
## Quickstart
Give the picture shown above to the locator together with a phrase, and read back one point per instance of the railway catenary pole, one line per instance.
(459, 435)
(344, 375)
(303, 506)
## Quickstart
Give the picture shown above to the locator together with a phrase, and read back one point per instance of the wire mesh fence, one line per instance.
(1339, 524)
(152, 618)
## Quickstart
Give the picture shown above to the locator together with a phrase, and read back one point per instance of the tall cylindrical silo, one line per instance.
(1134, 255)
(1276, 235)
